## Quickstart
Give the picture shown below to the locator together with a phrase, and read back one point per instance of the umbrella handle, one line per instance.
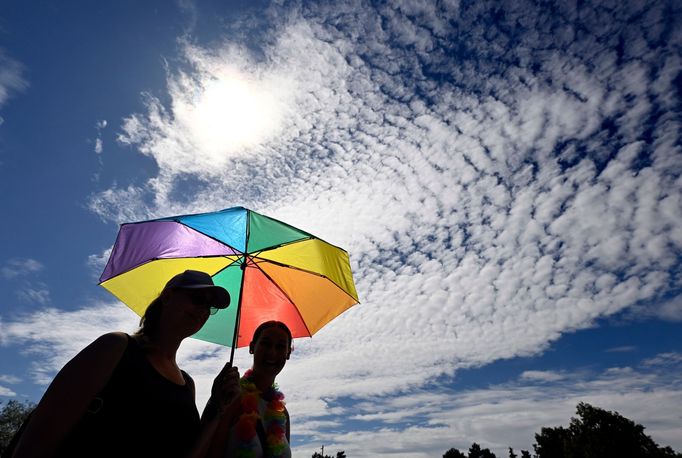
(239, 314)
(234, 338)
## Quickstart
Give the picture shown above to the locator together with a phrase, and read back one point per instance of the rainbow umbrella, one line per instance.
(272, 271)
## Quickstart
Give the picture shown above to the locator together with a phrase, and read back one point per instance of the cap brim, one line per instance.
(220, 298)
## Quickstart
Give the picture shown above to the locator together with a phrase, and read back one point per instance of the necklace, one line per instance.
(274, 420)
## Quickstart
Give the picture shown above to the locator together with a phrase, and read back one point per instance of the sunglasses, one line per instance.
(201, 299)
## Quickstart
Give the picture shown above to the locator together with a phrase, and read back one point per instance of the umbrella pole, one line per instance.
(239, 314)
(236, 332)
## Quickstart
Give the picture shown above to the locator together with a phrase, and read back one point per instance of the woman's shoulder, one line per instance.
(109, 346)
(112, 341)
(115, 337)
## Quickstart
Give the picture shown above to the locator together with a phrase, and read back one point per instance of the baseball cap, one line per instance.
(195, 279)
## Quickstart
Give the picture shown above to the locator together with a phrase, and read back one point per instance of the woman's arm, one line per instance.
(219, 441)
(288, 430)
(69, 395)
(223, 401)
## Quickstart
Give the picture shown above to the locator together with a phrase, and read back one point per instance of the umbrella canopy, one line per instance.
(272, 270)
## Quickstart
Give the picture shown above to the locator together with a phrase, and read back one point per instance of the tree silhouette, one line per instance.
(454, 453)
(12, 416)
(475, 451)
(341, 454)
(598, 433)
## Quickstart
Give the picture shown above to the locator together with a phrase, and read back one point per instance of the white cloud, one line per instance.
(664, 359)
(622, 349)
(97, 262)
(493, 191)
(471, 223)
(99, 144)
(670, 310)
(11, 379)
(4, 391)
(542, 376)
(428, 423)
(35, 292)
(24, 270)
(17, 267)
(53, 336)
(421, 421)
(228, 107)
(11, 78)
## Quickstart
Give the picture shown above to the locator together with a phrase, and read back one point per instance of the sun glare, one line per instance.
(232, 114)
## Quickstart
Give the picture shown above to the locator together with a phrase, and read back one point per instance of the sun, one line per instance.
(230, 114)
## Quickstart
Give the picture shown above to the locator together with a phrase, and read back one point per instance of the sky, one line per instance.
(505, 176)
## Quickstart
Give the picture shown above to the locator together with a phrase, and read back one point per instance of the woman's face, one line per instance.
(271, 351)
(186, 310)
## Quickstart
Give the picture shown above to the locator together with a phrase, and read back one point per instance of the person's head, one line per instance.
(271, 346)
(191, 295)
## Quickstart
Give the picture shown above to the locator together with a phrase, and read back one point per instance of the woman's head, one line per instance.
(190, 297)
(271, 324)
(149, 322)
(271, 347)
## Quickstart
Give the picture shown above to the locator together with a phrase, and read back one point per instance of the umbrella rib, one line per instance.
(177, 221)
(280, 245)
(263, 260)
(298, 230)
(235, 261)
(150, 260)
(237, 323)
(212, 238)
(287, 296)
(312, 237)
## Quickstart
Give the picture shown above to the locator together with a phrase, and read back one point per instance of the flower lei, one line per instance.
(274, 420)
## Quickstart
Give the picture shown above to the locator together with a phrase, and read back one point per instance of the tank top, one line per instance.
(139, 413)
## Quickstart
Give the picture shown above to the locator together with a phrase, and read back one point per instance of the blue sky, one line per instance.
(505, 176)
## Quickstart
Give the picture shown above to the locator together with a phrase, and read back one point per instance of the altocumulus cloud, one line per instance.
(500, 174)
(11, 77)
(19, 267)
(24, 270)
(507, 415)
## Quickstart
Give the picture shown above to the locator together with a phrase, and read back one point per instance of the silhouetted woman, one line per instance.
(124, 395)
(257, 424)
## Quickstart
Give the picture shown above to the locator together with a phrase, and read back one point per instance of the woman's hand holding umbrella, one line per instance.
(224, 392)
(225, 388)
